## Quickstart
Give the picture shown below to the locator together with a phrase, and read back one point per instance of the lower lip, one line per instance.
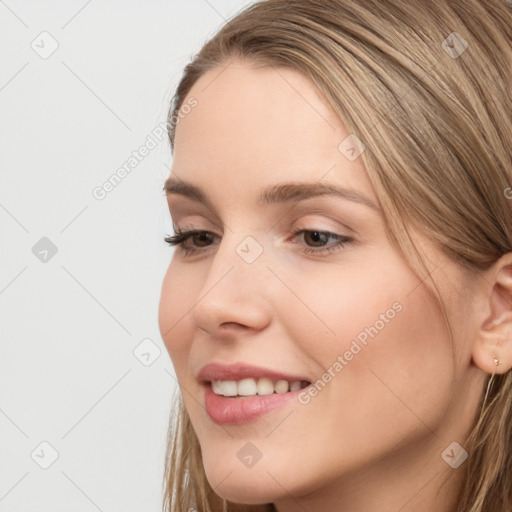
(235, 411)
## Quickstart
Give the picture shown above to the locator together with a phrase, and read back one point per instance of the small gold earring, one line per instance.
(495, 360)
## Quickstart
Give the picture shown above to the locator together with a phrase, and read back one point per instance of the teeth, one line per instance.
(265, 386)
(253, 387)
(246, 387)
(281, 386)
(296, 384)
(226, 388)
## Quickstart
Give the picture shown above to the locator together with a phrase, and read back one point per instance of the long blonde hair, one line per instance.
(426, 86)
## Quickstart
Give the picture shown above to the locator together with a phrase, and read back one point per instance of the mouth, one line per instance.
(236, 393)
(243, 402)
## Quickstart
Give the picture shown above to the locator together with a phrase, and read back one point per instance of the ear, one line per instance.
(492, 350)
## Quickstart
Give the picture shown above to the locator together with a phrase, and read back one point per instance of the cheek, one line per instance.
(413, 352)
(379, 344)
(334, 312)
(176, 301)
(382, 305)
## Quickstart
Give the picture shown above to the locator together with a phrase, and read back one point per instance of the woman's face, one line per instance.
(334, 304)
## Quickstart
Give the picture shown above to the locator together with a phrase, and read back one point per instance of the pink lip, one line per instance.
(226, 410)
(238, 371)
(230, 410)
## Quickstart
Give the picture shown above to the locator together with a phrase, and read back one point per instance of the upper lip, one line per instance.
(238, 371)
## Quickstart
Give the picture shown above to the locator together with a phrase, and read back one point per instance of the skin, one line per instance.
(372, 439)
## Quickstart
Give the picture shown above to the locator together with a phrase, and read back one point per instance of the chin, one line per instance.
(247, 486)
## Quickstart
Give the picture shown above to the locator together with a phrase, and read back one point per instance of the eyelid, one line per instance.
(301, 217)
(328, 208)
(189, 223)
(188, 208)
(323, 225)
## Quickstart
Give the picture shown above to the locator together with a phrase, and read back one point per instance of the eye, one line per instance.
(319, 240)
(180, 237)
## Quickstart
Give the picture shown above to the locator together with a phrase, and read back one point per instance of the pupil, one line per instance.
(317, 236)
(203, 237)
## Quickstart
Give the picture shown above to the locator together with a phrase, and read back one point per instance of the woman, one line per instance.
(338, 308)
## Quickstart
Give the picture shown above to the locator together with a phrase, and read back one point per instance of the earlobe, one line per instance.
(492, 350)
(492, 360)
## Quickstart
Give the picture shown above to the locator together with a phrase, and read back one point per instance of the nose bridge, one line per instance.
(234, 288)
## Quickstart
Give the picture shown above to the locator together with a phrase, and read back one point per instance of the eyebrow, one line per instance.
(274, 194)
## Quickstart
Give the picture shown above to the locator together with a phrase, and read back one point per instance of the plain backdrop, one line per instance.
(86, 384)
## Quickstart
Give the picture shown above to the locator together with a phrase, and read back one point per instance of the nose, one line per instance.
(236, 294)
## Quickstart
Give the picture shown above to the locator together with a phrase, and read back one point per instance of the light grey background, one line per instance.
(71, 321)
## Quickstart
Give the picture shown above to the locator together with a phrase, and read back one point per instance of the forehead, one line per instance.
(255, 123)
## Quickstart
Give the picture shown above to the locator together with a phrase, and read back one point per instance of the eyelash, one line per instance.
(180, 237)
